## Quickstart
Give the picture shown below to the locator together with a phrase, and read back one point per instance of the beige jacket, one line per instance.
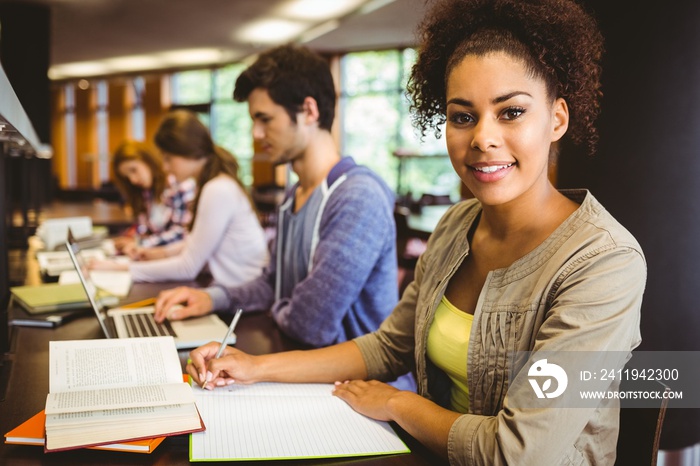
(580, 290)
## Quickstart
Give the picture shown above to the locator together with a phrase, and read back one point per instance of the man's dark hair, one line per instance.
(291, 73)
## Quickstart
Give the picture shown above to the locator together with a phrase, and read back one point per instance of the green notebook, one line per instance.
(50, 297)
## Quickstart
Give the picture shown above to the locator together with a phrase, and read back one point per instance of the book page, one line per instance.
(266, 421)
(114, 417)
(80, 365)
(118, 398)
(109, 426)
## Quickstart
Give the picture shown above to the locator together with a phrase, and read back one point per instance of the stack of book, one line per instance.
(33, 432)
(52, 263)
(117, 394)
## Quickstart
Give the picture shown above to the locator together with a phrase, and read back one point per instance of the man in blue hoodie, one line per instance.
(333, 273)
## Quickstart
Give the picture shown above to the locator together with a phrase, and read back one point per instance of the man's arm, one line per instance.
(258, 294)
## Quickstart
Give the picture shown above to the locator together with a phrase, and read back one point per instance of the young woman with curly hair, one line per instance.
(521, 268)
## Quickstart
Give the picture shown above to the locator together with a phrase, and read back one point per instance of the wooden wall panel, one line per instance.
(58, 136)
(119, 106)
(119, 119)
(86, 139)
(155, 103)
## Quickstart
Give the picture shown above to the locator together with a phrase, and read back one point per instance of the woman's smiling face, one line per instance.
(501, 124)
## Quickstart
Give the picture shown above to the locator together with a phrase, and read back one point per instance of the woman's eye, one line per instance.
(513, 113)
(461, 118)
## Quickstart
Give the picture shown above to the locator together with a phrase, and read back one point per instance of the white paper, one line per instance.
(115, 282)
(112, 363)
(265, 421)
(54, 231)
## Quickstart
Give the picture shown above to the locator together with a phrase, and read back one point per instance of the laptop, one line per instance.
(139, 321)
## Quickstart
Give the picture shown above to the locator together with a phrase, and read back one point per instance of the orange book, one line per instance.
(32, 432)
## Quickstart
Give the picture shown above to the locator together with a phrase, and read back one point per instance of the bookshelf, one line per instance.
(17, 139)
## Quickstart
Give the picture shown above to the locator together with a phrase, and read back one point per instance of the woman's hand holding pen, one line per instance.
(233, 366)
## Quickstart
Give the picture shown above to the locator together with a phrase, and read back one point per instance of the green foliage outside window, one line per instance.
(374, 114)
(191, 87)
(376, 122)
(231, 123)
(227, 120)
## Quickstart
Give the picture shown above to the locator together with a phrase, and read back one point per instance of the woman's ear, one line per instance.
(560, 119)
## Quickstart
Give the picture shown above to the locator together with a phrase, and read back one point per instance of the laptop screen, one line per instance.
(84, 275)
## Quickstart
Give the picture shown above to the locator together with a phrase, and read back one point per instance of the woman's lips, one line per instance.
(491, 173)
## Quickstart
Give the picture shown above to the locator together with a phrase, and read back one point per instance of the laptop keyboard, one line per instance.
(144, 325)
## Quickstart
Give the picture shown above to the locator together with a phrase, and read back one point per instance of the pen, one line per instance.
(142, 303)
(231, 327)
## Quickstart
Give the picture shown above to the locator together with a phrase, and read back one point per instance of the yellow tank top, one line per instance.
(448, 342)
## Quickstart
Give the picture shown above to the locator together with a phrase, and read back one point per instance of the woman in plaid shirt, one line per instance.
(161, 206)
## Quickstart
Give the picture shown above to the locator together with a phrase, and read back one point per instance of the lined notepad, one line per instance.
(285, 421)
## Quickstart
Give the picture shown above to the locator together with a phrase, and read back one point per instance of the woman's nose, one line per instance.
(486, 135)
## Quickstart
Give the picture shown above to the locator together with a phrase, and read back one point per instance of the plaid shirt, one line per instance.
(168, 221)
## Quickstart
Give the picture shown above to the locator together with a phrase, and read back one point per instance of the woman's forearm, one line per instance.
(324, 365)
(424, 420)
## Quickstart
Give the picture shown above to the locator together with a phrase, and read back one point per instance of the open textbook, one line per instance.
(115, 390)
(285, 421)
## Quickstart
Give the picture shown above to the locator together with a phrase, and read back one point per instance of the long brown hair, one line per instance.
(133, 195)
(181, 133)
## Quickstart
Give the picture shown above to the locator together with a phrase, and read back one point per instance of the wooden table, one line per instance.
(28, 385)
(108, 214)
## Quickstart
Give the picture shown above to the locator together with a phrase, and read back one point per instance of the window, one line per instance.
(376, 122)
(191, 87)
(231, 125)
(209, 93)
(373, 113)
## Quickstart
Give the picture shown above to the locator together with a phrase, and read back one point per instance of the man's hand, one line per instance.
(194, 302)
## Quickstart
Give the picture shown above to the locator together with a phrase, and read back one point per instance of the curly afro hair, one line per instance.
(558, 41)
